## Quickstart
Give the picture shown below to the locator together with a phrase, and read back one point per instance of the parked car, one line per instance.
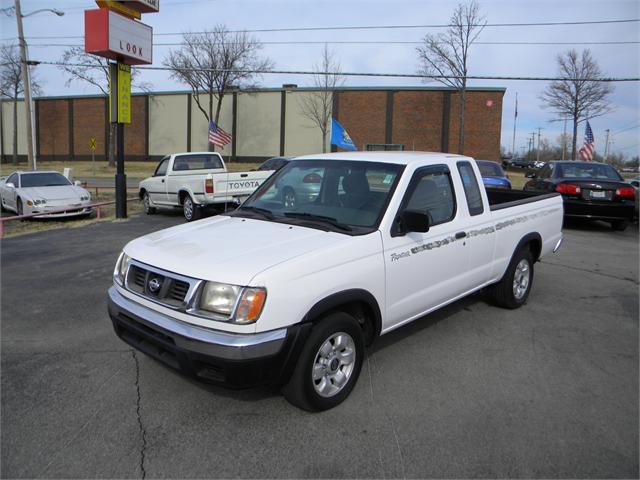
(194, 181)
(635, 183)
(517, 162)
(274, 163)
(38, 191)
(493, 175)
(290, 295)
(589, 189)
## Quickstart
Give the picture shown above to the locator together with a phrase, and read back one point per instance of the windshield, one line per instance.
(588, 170)
(50, 179)
(347, 196)
(490, 169)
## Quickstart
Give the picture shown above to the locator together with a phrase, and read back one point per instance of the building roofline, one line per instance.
(275, 90)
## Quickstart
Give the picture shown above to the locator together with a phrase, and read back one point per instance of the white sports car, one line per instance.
(42, 191)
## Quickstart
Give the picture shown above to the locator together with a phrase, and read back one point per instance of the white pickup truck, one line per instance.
(196, 180)
(291, 294)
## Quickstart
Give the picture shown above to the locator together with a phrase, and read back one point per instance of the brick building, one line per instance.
(264, 123)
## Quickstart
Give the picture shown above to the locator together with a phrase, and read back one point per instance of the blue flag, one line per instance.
(340, 137)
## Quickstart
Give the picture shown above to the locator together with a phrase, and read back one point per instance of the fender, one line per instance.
(530, 237)
(344, 297)
(190, 193)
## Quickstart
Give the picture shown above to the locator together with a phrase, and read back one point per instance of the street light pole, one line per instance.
(27, 86)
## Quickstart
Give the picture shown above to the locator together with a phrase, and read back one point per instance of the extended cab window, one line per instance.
(471, 188)
(433, 195)
(162, 168)
(196, 162)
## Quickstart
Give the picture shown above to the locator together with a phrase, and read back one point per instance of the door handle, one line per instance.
(162, 180)
(460, 235)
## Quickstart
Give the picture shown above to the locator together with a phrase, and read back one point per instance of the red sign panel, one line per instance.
(111, 35)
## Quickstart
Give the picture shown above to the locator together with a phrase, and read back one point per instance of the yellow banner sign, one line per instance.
(124, 93)
(119, 7)
(92, 143)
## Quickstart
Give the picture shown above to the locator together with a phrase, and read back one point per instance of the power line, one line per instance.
(358, 74)
(359, 42)
(381, 27)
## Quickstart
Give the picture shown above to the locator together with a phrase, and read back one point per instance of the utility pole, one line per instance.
(606, 146)
(532, 144)
(538, 149)
(27, 87)
(564, 139)
(515, 121)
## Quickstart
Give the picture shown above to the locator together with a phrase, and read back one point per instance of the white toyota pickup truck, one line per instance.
(193, 181)
(291, 294)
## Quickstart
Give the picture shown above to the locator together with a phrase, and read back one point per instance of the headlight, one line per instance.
(224, 300)
(40, 201)
(219, 298)
(121, 268)
(84, 198)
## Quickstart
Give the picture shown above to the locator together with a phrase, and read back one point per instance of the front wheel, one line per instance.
(146, 202)
(19, 208)
(329, 364)
(513, 289)
(190, 209)
(619, 226)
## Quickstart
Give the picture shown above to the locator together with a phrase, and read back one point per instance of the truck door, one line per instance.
(480, 232)
(425, 270)
(157, 184)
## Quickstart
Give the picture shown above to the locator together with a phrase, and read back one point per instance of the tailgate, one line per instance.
(238, 183)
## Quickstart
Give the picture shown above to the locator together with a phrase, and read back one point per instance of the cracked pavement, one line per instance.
(549, 390)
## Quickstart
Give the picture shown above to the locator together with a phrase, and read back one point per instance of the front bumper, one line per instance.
(233, 360)
(598, 211)
(62, 213)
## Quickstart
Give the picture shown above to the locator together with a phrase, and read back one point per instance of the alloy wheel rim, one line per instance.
(334, 364)
(289, 200)
(188, 208)
(521, 279)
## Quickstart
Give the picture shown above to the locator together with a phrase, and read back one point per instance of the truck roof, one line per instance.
(401, 158)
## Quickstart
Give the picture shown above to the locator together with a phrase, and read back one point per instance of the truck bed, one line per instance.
(500, 198)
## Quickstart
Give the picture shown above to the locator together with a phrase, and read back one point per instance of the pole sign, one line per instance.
(93, 144)
(120, 93)
(112, 35)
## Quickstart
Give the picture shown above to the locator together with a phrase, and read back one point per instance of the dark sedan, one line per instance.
(589, 189)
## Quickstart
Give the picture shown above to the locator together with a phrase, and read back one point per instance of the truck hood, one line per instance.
(228, 249)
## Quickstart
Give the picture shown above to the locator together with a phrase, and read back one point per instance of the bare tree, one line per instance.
(317, 105)
(11, 85)
(81, 66)
(214, 61)
(447, 54)
(579, 95)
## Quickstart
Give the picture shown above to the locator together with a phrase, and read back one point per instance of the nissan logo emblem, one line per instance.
(154, 285)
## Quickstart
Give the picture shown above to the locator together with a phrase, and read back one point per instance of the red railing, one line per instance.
(97, 206)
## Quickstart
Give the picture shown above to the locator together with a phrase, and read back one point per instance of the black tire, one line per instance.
(619, 226)
(289, 198)
(19, 207)
(302, 390)
(506, 293)
(146, 203)
(190, 210)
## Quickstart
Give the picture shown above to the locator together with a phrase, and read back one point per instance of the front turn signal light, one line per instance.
(250, 305)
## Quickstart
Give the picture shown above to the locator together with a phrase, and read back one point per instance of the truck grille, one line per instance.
(159, 287)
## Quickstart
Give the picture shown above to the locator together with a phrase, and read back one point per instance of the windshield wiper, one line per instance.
(319, 218)
(262, 211)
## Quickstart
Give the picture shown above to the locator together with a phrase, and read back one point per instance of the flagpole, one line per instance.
(515, 120)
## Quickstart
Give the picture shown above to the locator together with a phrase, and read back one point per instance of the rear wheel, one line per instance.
(513, 289)
(329, 364)
(146, 202)
(190, 209)
(619, 226)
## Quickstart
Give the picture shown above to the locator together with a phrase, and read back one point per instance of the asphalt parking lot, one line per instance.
(549, 390)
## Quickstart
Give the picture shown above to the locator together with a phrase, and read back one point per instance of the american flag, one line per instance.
(217, 135)
(586, 152)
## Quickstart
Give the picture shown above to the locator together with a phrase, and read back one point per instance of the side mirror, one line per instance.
(77, 183)
(414, 221)
(9, 185)
(530, 175)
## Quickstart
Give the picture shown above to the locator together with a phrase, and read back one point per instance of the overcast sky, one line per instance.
(177, 16)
